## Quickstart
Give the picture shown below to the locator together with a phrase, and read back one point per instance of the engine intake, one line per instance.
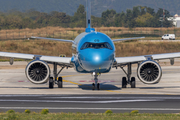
(149, 72)
(37, 72)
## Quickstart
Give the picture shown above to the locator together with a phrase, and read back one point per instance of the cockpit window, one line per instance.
(96, 45)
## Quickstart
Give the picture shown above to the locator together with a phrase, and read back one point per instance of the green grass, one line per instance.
(87, 116)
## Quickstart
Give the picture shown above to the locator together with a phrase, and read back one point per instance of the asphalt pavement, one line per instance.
(91, 103)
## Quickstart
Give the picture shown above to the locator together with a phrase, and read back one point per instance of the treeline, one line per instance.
(137, 17)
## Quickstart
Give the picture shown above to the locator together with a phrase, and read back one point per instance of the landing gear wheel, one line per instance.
(93, 86)
(60, 82)
(133, 82)
(98, 86)
(51, 82)
(124, 82)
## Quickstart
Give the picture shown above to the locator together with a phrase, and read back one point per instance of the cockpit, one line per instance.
(96, 45)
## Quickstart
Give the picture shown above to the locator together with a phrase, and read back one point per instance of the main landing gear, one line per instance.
(128, 80)
(95, 85)
(56, 80)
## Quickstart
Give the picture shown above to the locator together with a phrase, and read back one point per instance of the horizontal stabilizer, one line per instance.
(62, 40)
(117, 40)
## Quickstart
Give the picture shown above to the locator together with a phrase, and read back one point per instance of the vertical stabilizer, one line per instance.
(88, 14)
(88, 17)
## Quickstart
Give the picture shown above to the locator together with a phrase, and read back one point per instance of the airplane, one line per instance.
(94, 53)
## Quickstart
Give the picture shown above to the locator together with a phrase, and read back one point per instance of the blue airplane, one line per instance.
(94, 53)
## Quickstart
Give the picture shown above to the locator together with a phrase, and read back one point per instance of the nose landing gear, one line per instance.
(95, 85)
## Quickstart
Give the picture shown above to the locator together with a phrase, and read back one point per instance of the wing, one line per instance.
(62, 40)
(136, 59)
(117, 40)
(51, 59)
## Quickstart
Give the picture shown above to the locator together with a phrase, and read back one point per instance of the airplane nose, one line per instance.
(96, 59)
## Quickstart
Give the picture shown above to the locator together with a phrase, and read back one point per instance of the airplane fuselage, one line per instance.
(93, 52)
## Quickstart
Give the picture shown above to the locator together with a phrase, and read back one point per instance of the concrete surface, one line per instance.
(14, 81)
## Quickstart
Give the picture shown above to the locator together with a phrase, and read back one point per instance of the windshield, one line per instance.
(96, 45)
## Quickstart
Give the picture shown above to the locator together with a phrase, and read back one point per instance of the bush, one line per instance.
(27, 111)
(108, 112)
(134, 111)
(10, 111)
(44, 111)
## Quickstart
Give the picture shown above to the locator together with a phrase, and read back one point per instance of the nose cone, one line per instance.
(96, 60)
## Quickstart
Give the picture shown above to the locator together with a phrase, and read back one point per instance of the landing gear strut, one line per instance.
(130, 80)
(95, 85)
(57, 80)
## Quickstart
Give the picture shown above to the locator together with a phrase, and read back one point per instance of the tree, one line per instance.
(136, 11)
(79, 18)
(108, 18)
(150, 11)
(141, 20)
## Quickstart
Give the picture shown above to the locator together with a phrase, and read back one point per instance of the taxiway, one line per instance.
(17, 93)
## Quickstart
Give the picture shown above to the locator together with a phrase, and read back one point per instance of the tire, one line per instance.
(93, 86)
(133, 82)
(98, 86)
(60, 82)
(51, 83)
(124, 82)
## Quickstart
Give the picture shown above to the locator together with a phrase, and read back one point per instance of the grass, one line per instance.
(54, 48)
(71, 33)
(87, 116)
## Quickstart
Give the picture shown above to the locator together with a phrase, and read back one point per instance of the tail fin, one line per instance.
(88, 17)
(88, 14)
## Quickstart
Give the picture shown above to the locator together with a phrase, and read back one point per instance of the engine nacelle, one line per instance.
(37, 72)
(149, 72)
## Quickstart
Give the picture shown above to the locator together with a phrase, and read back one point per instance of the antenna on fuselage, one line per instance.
(88, 17)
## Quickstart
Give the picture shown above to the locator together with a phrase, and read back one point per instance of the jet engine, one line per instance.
(37, 72)
(149, 72)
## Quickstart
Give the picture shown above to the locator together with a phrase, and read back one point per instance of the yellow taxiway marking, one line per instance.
(72, 82)
(68, 81)
(101, 89)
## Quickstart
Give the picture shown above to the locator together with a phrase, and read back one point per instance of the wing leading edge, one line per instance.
(135, 59)
(62, 60)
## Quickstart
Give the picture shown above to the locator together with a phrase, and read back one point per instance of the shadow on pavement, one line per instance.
(102, 87)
